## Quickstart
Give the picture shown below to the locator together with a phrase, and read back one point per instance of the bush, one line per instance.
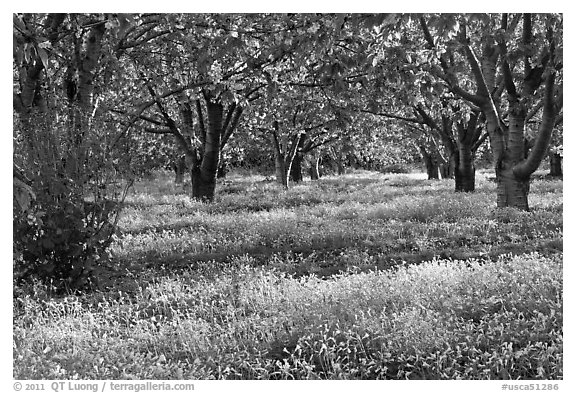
(58, 236)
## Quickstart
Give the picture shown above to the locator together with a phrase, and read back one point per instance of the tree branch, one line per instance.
(448, 77)
(202, 127)
(426, 118)
(506, 72)
(231, 126)
(152, 130)
(321, 143)
(275, 137)
(139, 117)
(229, 113)
(531, 163)
(480, 141)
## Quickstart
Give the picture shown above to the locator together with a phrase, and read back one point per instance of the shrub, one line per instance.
(58, 236)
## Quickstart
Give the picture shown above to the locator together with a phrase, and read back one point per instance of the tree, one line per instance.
(62, 156)
(460, 132)
(400, 86)
(205, 71)
(522, 56)
(556, 155)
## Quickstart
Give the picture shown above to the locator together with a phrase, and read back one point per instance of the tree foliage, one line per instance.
(99, 99)
(66, 188)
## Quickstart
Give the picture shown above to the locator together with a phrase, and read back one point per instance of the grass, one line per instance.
(354, 277)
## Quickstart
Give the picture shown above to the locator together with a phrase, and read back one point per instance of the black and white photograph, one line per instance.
(274, 196)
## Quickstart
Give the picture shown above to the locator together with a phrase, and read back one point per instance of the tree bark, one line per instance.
(447, 167)
(315, 167)
(179, 166)
(296, 168)
(222, 169)
(93, 48)
(444, 170)
(555, 164)
(512, 191)
(284, 158)
(512, 188)
(280, 169)
(202, 189)
(279, 158)
(465, 172)
(340, 167)
(203, 177)
(429, 162)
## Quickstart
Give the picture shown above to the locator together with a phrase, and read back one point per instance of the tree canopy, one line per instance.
(169, 85)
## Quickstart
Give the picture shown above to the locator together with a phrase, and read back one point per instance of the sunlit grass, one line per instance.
(361, 276)
(365, 210)
(246, 322)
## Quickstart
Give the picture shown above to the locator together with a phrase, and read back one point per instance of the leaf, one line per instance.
(23, 200)
(17, 50)
(23, 194)
(314, 28)
(26, 52)
(43, 56)
(228, 97)
(125, 20)
(19, 24)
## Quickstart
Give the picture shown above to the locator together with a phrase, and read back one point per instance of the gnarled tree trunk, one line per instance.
(555, 164)
(280, 168)
(222, 169)
(512, 188)
(315, 167)
(465, 172)
(296, 168)
(511, 191)
(431, 165)
(179, 166)
(285, 156)
(204, 175)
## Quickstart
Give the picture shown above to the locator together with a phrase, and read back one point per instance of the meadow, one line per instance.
(360, 276)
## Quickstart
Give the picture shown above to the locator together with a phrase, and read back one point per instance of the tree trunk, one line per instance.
(204, 176)
(202, 189)
(296, 168)
(280, 169)
(430, 163)
(512, 191)
(446, 166)
(446, 170)
(315, 167)
(179, 178)
(222, 170)
(555, 164)
(179, 166)
(432, 170)
(279, 159)
(465, 172)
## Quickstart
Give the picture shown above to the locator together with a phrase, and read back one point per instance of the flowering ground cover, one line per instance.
(360, 276)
